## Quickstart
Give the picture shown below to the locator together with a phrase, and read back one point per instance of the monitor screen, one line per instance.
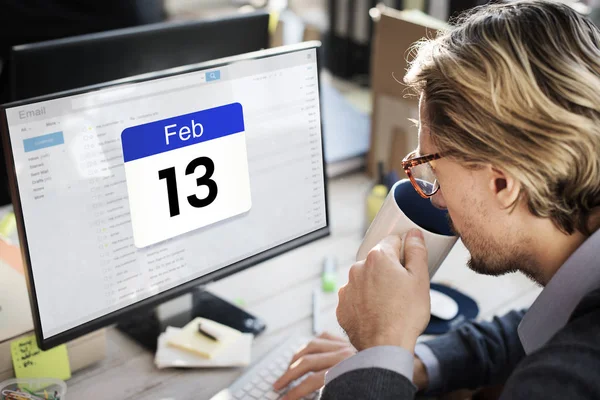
(130, 194)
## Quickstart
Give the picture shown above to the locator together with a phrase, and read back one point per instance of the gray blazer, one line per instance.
(481, 354)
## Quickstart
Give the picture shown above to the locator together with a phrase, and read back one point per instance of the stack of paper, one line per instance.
(185, 347)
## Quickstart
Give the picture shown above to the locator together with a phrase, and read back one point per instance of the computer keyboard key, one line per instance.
(239, 394)
(256, 383)
(271, 395)
(264, 373)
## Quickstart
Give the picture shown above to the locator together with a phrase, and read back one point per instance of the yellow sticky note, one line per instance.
(31, 362)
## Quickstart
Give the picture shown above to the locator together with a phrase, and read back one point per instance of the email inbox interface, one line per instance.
(133, 190)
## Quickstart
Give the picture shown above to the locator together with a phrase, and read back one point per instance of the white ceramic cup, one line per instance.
(402, 210)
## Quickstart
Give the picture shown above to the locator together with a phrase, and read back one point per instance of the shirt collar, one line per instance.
(550, 312)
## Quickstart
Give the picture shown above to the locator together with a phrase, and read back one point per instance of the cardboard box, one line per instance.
(401, 140)
(276, 27)
(311, 32)
(395, 32)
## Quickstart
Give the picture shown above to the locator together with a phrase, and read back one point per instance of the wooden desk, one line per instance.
(279, 291)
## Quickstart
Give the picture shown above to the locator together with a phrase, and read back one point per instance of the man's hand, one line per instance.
(385, 303)
(420, 377)
(317, 357)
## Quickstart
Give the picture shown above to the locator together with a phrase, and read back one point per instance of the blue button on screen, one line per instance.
(213, 76)
(44, 141)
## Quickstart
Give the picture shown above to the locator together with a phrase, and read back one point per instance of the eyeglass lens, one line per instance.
(425, 178)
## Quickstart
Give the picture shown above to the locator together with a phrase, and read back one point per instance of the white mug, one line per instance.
(404, 209)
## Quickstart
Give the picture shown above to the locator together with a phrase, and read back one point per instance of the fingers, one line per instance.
(415, 254)
(311, 384)
(330, 336)
(311, 363)
(319, 345)
(308, 363)
(389, 245)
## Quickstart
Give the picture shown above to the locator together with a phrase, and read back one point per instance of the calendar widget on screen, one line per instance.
(186, 172)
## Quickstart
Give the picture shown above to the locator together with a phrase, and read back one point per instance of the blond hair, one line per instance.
(517, 85)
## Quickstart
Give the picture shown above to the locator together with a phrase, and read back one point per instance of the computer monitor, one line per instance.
(63, 64)
(130, 194)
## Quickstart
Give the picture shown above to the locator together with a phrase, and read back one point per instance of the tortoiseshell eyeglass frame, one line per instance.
(409, 163)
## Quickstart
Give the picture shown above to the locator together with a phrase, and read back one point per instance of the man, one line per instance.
(509, 137)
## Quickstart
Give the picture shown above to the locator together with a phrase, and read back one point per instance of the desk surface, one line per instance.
(279, 291)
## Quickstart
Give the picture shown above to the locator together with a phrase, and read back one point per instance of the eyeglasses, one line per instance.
(421, 173)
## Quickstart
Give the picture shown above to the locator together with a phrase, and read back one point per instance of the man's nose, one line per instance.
(438, 200)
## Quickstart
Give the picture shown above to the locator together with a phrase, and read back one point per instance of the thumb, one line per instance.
(415, 253)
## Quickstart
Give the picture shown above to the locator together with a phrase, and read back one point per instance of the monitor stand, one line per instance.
(145, 326)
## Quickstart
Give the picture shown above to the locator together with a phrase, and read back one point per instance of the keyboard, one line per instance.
(257, 382)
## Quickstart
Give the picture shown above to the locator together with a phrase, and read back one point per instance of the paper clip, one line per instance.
(18, 395)
(9, 394)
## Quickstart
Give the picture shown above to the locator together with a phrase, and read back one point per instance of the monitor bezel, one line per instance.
(155, 300)
(19, 52)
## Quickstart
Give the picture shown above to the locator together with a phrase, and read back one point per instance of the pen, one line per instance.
(316, 308)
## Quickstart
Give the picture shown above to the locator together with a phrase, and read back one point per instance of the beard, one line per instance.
(488, 257)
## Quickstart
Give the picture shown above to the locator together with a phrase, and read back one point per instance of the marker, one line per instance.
(329, 274)
(316, 308)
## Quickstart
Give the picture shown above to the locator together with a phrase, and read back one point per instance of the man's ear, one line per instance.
(505, 188)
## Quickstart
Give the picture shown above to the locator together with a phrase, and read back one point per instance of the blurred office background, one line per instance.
(346, 28)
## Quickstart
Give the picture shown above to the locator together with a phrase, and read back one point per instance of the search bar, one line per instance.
(144, 89)
(213, 76)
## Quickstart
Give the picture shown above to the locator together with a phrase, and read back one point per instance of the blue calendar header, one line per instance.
(184, 130)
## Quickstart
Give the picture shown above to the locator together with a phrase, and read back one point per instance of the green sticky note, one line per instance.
(31, 362)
